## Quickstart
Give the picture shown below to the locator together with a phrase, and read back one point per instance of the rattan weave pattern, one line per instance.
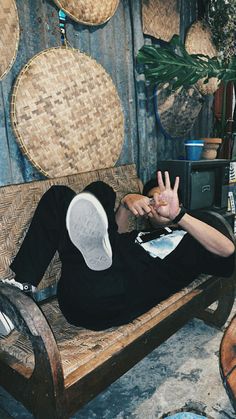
(160, 18)
(199, 41)
(179, 109)
(66, 113)
(18, 203)
(89, 12)
(9, 35)
(87, 344)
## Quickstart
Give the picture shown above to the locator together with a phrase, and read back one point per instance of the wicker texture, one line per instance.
(66, 113)
(160, 18)
(89, 345)
(9, 35)
(199, 41)
(178, 110)
(89, 12)
(18, 203)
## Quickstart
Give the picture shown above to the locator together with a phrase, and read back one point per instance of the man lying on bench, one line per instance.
(107, 276)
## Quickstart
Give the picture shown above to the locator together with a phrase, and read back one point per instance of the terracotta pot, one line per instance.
(210, 148)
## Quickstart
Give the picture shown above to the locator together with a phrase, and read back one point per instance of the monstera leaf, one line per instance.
(174, 65)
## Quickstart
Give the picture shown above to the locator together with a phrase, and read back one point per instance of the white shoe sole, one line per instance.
(6, 326)
(87, 225)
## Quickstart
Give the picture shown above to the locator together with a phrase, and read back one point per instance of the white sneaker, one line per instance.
(13, 282)
(87, 225)
(25, 287)
(6, 325)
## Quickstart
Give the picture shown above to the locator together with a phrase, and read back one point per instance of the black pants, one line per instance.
(134, 283)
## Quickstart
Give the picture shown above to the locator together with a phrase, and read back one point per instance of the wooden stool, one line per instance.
(228, 361)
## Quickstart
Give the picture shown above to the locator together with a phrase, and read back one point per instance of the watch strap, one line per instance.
(179, 216)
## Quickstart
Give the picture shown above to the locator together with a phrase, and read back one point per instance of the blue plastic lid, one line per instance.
(194, 142)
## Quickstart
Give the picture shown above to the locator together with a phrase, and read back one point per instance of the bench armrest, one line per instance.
(30, 320)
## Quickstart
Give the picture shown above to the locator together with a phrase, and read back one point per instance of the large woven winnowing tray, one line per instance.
(9, 35)
(89, 12)
(66, 113)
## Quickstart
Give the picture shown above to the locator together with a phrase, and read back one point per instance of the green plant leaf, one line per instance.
(174, 65)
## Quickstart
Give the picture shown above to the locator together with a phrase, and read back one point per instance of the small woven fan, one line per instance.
(199, 41)
(89, 12)
(160, 18)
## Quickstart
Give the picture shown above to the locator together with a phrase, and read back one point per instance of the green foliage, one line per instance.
(174, 65)
(221, 19)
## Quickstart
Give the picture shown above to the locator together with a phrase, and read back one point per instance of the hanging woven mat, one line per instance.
(199, 41)
(177, 111)
(89, 12)
(9, 35)
(161, 18)
(66, 113)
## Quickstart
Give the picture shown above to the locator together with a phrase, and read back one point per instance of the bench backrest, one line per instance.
(18, 203)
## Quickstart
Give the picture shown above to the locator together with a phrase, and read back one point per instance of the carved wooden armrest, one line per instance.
(30, 320)
(218, 315)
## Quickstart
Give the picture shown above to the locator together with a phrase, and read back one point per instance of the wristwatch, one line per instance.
(179, 216)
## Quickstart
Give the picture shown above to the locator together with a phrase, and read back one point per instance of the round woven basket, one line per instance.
(66, 113)
(199, 41)
(160, 18)
(178, 110)
(89, 12)
(9, 35)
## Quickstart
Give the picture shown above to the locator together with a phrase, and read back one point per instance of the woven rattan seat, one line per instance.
(54, 368)
(87, 345)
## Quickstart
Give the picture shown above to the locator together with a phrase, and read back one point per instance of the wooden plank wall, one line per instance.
(114, 45)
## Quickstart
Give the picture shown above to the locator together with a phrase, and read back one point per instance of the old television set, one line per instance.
(203, 183)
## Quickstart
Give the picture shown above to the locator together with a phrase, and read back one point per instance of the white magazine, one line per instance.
(163, 245)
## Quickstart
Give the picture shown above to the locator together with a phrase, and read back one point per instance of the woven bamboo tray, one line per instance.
(160, 18)
(9, 35)
(199, 41)
(178, 110)
(89, 12)
(66, 113)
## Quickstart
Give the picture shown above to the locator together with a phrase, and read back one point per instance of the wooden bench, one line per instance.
(228, 361)
(54, 368)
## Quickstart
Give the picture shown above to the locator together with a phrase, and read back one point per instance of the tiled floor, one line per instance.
(182, 372)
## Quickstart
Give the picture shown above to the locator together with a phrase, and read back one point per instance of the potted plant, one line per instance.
(173, 64)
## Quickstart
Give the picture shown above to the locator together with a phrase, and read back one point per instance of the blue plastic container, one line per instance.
(193, 149)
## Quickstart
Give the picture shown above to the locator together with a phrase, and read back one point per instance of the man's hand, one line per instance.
(166, 201)
(163, 207)
(139, 205)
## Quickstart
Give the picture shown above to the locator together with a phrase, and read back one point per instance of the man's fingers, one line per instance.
(160, 181)
(167, 180)
(141, 208)
(167, 185)
(144, 209)
(176, 185)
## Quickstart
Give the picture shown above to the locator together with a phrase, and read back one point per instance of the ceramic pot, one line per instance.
(210, 148)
